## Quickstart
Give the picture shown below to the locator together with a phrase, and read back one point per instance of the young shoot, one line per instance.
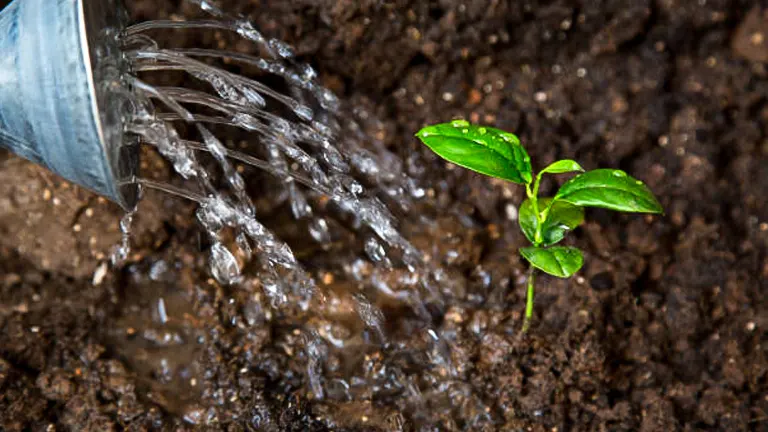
(543, 220)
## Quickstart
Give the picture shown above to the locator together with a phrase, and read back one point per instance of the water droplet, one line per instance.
(315, 352)
(464, 131)
(158, 270)
(459, 123)
(224, 265)
(482, 131)
(299, 206)
(308, 73)
(619, 173)
(161, 311)
(370, 315)
(283, 49)
(303, 111)
(120, 252)
(425, 134)
(328, 100)
(209, 7)
(319, 231)
(374, 250)
(638, 182)
(125, 223)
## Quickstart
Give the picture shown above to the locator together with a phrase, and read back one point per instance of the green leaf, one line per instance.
(610, 189)
(526, 217)
(487, 150)
(560, 261)
(562, 166)
(561, 218)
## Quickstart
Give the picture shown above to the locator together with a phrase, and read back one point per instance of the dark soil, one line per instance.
(665, 329)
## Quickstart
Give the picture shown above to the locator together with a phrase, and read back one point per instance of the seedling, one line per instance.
(543, 220)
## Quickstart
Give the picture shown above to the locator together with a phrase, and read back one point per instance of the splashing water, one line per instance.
(305, 149)
(328, 170)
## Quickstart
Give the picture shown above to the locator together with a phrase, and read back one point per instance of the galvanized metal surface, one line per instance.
(62, 102)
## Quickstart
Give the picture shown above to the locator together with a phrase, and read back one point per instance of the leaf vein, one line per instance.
(559, 264)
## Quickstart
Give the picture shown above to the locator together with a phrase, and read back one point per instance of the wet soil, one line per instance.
(665, 328)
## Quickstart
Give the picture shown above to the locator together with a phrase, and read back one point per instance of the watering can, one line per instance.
(62, 100)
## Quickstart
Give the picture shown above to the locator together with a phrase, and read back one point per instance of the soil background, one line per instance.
(665, 328)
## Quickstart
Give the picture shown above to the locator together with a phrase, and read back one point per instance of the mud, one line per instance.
(665, 329)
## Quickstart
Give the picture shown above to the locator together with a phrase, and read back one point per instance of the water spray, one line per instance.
(76, 96)
(75, 100)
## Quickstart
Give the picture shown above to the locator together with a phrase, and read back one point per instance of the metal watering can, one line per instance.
(62, 100)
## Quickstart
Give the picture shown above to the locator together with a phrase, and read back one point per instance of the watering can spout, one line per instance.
(62, 98)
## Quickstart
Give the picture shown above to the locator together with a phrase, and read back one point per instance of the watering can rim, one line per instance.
(97, 16)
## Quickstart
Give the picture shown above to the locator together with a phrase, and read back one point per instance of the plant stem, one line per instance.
(529, 301)
(536, 185)
(533, 197)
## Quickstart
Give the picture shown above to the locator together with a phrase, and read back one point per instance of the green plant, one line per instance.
(543, 221)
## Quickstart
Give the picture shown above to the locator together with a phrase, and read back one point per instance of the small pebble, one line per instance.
(511, 211)
(99, 274)
(328, 278)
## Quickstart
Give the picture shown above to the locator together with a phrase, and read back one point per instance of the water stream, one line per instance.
(302, 135)
(241, 102)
